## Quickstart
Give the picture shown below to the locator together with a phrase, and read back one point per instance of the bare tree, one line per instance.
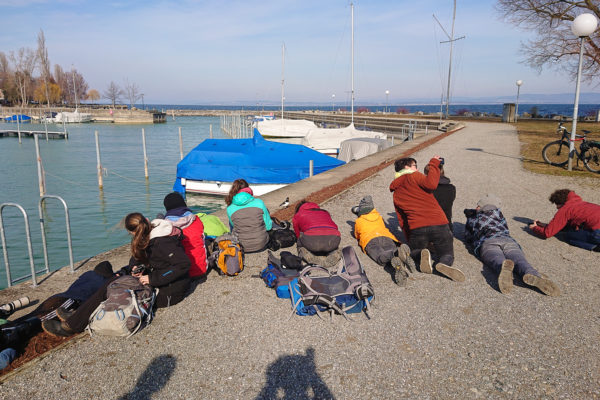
(42, 55)
(92, 95)
(62, 80)
(113, 93)
(133, 93)
(555, 45)
(24, 61)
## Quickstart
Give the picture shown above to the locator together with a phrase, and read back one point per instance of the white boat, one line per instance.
(72, 117)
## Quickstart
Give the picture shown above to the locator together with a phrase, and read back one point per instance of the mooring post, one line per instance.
(210, 135)
(98, 163)
(311, 164)
(41, 181)
(180, 145)
(19, 128)
(145, 158)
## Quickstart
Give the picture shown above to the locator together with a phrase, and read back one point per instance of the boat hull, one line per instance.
(217, 188)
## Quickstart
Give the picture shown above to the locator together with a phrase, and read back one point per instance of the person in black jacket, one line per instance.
(445, 194)
(157, 259)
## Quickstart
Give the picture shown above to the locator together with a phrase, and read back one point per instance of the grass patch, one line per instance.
(534, 135)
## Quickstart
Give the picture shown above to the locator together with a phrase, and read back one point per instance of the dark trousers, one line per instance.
(319, 244)
(584, 238)
(494, 251)
(381, 249)
(441, 239)
(80, 318)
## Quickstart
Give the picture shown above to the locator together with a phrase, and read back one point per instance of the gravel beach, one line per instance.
(433, 339)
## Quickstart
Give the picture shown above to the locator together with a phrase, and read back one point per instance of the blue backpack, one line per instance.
(278, 277)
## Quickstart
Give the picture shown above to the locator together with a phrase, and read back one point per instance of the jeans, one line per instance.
(584, 238)
(495, 250)
(441, 238)
(6, 357)
(319, 244)
(381, 249)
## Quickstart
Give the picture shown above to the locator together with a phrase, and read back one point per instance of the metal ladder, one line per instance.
(33, 273)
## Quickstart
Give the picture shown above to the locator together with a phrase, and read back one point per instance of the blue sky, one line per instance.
(206, 52)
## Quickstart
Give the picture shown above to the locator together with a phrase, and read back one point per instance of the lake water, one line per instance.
(71, 173)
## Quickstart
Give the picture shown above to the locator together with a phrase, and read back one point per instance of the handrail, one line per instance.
(29, 248)
(68, 224)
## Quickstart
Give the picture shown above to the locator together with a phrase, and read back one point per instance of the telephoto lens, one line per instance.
(8, 308)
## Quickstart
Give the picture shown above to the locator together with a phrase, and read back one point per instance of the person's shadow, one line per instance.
(155, 377)
(294, 377)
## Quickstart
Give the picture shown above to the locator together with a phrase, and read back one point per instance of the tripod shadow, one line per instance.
(294, 377)
(153, 379)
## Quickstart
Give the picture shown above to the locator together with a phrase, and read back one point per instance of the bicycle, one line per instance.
(557, 153)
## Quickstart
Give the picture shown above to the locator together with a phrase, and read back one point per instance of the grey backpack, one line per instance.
(126, 310)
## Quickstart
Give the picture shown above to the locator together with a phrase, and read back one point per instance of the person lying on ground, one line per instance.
(379, 243)
(248, 216)
(318, 237)
(422, 219)
(193, 232)
(580, 218)
(445, 194)
(157, 251)
(487, 235)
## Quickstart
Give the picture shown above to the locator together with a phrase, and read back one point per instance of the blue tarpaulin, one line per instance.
(254, 159)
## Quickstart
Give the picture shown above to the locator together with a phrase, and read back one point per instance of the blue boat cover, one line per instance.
(254, 159)
(20, 117)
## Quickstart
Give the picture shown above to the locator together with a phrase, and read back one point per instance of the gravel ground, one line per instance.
(432, 339)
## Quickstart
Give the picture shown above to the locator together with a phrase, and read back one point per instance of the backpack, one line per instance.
(227, 254)
(277, 276)
(126, 310)
(281, 235)
(345, 290)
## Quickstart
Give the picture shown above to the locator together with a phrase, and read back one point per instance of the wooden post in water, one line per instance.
(145, 158)
(180, 145)
(98, 163)
(40, 168)
(210, 135)
(311, 164)
(19, 127)
(46, 127)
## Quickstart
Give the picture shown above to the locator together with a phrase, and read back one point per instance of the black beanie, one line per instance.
(173, 200)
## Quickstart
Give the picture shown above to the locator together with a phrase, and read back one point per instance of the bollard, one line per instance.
(145, 158)
(180, 145)
(98, 163)
(210, 135)
(311, 164)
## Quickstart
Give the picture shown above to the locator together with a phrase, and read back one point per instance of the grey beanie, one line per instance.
(364, 207)
(489, 200)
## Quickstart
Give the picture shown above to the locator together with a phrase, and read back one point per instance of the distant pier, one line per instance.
(29, 133)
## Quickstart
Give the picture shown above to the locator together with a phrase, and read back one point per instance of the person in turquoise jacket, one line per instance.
(249, 219)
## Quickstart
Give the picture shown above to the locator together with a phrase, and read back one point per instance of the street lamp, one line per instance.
(387, 97)
(143, 107)
(583, 26)
(519, 83)
(333, 103)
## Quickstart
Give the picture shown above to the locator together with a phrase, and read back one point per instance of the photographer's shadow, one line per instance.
(153, 379)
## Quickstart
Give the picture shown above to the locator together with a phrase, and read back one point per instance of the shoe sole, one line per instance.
(505, 279)
(53, 334)
(62, 316)
(425, 264)
(545, 285)
(400, 277)
(453, 273)
(404, 254)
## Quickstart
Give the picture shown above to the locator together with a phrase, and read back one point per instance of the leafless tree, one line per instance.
(555, 45)
(78, 86)
(44, 63)
(24, 61)
(133, 93)
(62, 80)
(113, 93)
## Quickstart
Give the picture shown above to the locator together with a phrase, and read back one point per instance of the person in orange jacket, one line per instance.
(379, 243)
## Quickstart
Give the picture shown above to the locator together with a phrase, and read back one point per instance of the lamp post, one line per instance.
(143, 107)
(583, 26)
(387, 97)
(519, 83)
(333, 103)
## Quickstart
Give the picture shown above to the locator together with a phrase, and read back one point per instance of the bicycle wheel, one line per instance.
(556, 153)
(591, 159)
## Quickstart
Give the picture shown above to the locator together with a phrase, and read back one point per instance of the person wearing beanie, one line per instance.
(178, 213)
(379, 243)
(487, 236)
(248, 216)
(580, 218)
(422, 219)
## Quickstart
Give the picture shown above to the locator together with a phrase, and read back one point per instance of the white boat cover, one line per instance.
(355, 149)
(72, 117)
(287, 128)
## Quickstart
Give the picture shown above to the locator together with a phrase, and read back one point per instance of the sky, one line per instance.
(230, 51)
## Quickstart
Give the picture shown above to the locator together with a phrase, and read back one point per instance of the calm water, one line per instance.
(70, 168)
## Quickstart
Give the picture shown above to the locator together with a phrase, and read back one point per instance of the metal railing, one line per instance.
(68, 225)
(9, 279)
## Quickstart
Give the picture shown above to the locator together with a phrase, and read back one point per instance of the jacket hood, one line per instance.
(182, 222)
(372, 216)
(572, 196)
(444, 180)
(162, 227)
(308, 205)
(242, 198)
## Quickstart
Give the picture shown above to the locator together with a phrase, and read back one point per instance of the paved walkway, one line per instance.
(433, 339)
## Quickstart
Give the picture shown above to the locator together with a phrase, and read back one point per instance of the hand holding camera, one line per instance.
(139, 270)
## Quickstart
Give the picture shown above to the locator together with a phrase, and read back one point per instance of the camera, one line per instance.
(8, 308)
(441, 161)
(139, 269)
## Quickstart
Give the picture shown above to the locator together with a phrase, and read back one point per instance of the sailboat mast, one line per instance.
(74, 87)
(282, 77)
(450, 62)
(352, 63)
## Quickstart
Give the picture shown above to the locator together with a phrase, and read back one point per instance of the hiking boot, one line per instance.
(425, 264)
(545, 285)
(453, 273)
(64, 314)
(400, 276)
(505, 278)
(56, 328)
(404, 255)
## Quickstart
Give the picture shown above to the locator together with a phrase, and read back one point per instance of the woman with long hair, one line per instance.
(248, 217)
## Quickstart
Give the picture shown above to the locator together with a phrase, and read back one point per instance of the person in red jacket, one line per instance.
(582, 220)
(193, 232)
(421, 218)
(318, 236)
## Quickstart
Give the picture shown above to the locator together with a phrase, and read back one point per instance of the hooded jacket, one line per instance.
(312, 221)
(193, 238)
(369, 226)
(576, 213)
(249, 220)
(445, 194)
(414, 201)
